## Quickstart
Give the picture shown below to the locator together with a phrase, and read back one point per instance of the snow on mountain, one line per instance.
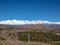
(22, 22)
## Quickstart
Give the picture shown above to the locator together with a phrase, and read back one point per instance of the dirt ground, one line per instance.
(21, 43)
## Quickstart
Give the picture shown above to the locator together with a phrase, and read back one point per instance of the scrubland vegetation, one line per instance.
(38, 36)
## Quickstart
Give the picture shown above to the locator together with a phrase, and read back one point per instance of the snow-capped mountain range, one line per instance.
(22, 22)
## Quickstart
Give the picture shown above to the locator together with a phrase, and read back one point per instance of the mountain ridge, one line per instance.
(23, 22)
(36, 27)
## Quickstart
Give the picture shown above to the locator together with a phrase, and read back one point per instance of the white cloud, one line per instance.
(22, 22)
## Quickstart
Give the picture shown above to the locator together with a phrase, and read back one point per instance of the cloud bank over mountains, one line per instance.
(22, 22)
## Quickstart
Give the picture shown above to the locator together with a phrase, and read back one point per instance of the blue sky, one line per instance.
(30, 10)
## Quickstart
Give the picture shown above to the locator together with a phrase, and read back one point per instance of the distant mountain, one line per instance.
(24, 25)
(24, 22)
(32, 27)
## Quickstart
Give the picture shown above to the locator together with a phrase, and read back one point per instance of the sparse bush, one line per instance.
(1, 29)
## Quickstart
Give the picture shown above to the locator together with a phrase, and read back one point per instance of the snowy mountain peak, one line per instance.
(22, 22)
